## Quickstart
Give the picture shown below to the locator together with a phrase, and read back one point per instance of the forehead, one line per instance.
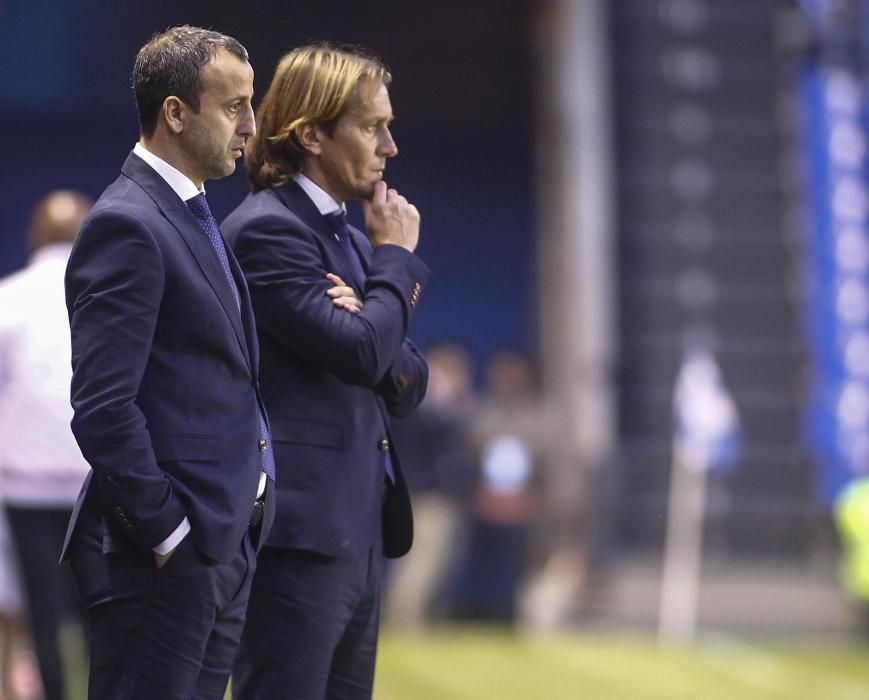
(227, 76)
(373, 102)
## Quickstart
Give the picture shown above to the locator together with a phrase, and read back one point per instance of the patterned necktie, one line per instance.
(199, 206)
(338, 221)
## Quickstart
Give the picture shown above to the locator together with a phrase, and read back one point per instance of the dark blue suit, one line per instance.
(165, 396)
(330, 380)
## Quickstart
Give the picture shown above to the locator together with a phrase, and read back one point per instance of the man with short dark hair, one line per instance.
(333, 306)
(165, 389)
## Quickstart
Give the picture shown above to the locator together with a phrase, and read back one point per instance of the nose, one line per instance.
(247, 125)
(387, 145)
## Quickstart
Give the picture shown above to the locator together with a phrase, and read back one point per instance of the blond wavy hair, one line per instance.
(314, 84)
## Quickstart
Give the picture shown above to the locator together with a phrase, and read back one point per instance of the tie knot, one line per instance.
(338, 221)
(199, 206)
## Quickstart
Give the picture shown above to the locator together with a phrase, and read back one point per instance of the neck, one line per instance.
(166, 151)
(315, 176)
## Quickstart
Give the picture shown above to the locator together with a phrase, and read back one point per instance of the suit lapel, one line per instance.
(247, 318)
(180, 216)
(299, 203)
(360, 243)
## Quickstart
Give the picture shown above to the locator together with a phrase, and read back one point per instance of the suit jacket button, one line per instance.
(383, 444)
(261, 445)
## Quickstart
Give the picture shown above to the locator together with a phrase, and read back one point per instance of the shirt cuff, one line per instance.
(174, 539)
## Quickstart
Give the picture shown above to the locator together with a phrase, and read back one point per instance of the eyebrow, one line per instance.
(238, 98)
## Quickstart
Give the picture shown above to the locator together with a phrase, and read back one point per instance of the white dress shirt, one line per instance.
(324, 202)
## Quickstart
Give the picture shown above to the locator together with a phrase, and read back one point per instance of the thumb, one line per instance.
(378, 197)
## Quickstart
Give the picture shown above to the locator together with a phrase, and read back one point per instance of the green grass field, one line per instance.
(468, 664)
(461, 663)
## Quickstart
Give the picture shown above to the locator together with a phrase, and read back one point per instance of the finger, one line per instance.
(334, 279)
(379, 196)
(351, 304)
(341, 291)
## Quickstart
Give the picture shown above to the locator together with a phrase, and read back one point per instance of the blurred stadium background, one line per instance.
(606, 186)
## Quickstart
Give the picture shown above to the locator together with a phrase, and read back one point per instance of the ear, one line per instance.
(174, 113)
(310, 136)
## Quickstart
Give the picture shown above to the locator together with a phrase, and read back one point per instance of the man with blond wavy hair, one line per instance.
(333, 306)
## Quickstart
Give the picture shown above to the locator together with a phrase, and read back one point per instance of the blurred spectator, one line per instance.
(436, 461)
(509, 441)
(41, 466)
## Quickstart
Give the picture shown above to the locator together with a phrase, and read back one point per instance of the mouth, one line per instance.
(238, 152)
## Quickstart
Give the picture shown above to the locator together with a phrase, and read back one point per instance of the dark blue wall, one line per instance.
(462, 96)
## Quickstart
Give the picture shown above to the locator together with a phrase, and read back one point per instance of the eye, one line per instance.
(234, 107)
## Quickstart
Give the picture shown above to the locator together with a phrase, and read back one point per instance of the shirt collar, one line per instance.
(178, 181)
(322, 200)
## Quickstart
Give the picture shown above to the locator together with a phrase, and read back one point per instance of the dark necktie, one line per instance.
(338, 221)
(199, 206)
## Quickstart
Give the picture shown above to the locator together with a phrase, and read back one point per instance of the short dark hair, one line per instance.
(171, 63)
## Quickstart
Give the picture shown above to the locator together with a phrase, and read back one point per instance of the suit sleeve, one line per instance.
(286, 272)
(114, 288)
(405, 383)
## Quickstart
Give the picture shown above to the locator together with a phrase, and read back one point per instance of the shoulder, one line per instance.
(13, 289)
(111, 224)
(119, 233)
(10, 283)
(125, 207)
(41, 271)
(121, 196)
(260, 213)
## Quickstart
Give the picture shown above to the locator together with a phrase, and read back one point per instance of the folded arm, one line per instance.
(287, 276)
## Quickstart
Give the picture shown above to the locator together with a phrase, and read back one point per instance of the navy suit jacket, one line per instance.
(330, 377)
(164, 386)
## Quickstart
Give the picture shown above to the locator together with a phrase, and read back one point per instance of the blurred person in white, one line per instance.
(436, 459)
(41, 466)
